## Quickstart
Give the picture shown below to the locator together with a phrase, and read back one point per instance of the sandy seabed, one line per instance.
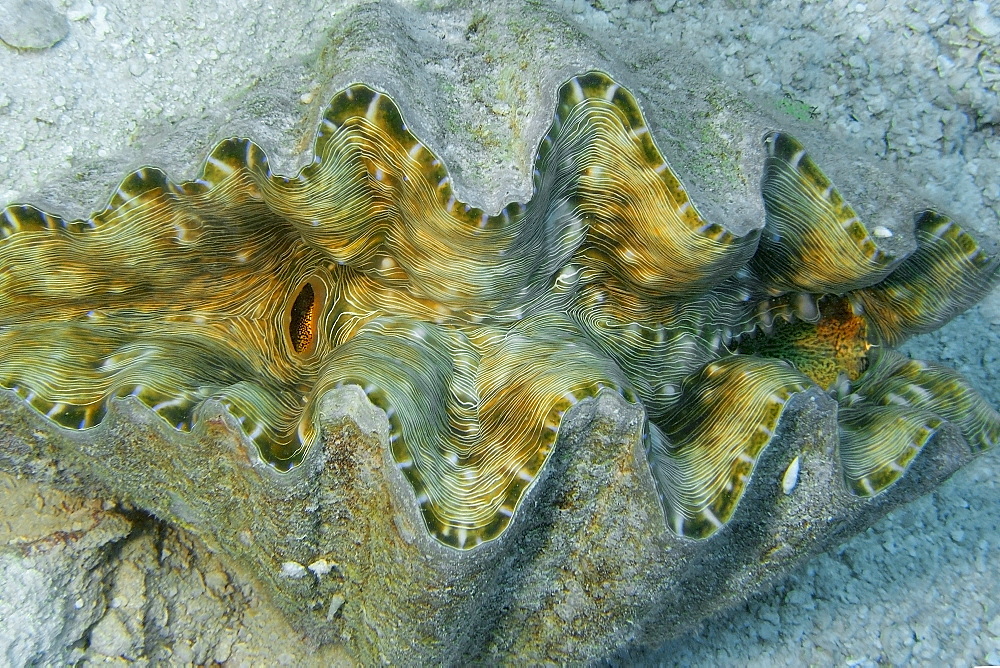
(917, 80)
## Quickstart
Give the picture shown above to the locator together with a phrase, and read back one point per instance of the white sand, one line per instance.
(917, 79)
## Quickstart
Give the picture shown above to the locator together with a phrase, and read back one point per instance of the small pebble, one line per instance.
(80, 11)
(335, 604)
(216, 580)
(981, 19)
(31, 24)
(321, 567)
(100, 23)
(137, 67)
(292, 569)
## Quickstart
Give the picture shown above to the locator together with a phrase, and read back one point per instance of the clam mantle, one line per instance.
(685, 362)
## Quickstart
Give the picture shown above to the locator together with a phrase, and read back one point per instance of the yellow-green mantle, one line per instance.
(476, 333)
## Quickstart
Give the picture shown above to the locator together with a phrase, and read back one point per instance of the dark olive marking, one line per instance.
(302, 320)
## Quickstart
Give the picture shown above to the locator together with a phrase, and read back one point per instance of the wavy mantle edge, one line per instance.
(216, 168)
